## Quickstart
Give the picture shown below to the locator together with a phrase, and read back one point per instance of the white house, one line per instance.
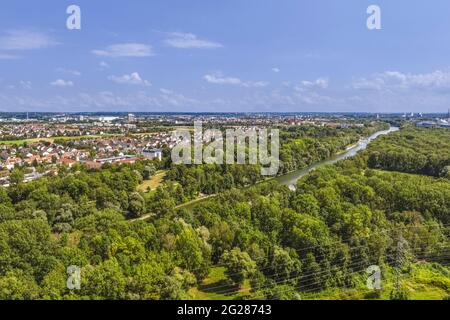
(152, 154)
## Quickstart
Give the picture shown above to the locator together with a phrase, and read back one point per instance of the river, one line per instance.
(291, 178)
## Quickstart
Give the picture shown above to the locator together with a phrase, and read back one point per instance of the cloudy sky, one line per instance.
(225, 55)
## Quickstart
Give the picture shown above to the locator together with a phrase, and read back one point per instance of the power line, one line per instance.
(358, 263)
(340, 241)
(301, 277)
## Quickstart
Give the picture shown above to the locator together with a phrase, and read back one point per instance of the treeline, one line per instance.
(305, 145)
(413, 150)
(299, 148)
(77, 192)
(212, 179)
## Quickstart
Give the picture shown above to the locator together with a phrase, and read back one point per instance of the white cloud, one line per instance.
(435, 80)
(25, 40)
(255, 84)
(414, 92)
(133, 79)
(105, 100)
(125, 50)
(62, 83)
(25, 84)
(312, 98)
(318, 83)
(22, 84)
(69, 71)
(169, 97)
(190, 41)
(395, 80)
(366, 84)
(276, 70)
(103, 64)
(218, 78)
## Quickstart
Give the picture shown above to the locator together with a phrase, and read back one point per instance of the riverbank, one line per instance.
(291, 178)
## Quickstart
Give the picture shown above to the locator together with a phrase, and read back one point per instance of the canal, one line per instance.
(291, 178)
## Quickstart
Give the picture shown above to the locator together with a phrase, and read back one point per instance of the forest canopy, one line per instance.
(248, 240)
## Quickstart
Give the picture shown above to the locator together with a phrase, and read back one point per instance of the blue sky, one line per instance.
(233, 55)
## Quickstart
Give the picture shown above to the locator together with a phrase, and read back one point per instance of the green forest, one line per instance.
(252, 238)
(422, 151)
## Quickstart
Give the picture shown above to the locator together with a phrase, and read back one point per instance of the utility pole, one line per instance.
(400, 257)
(398, 261)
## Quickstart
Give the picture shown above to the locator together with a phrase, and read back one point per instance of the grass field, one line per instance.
(423, 282)
(21, 142)
(153, 182)
(30, 141)
(217, 287)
